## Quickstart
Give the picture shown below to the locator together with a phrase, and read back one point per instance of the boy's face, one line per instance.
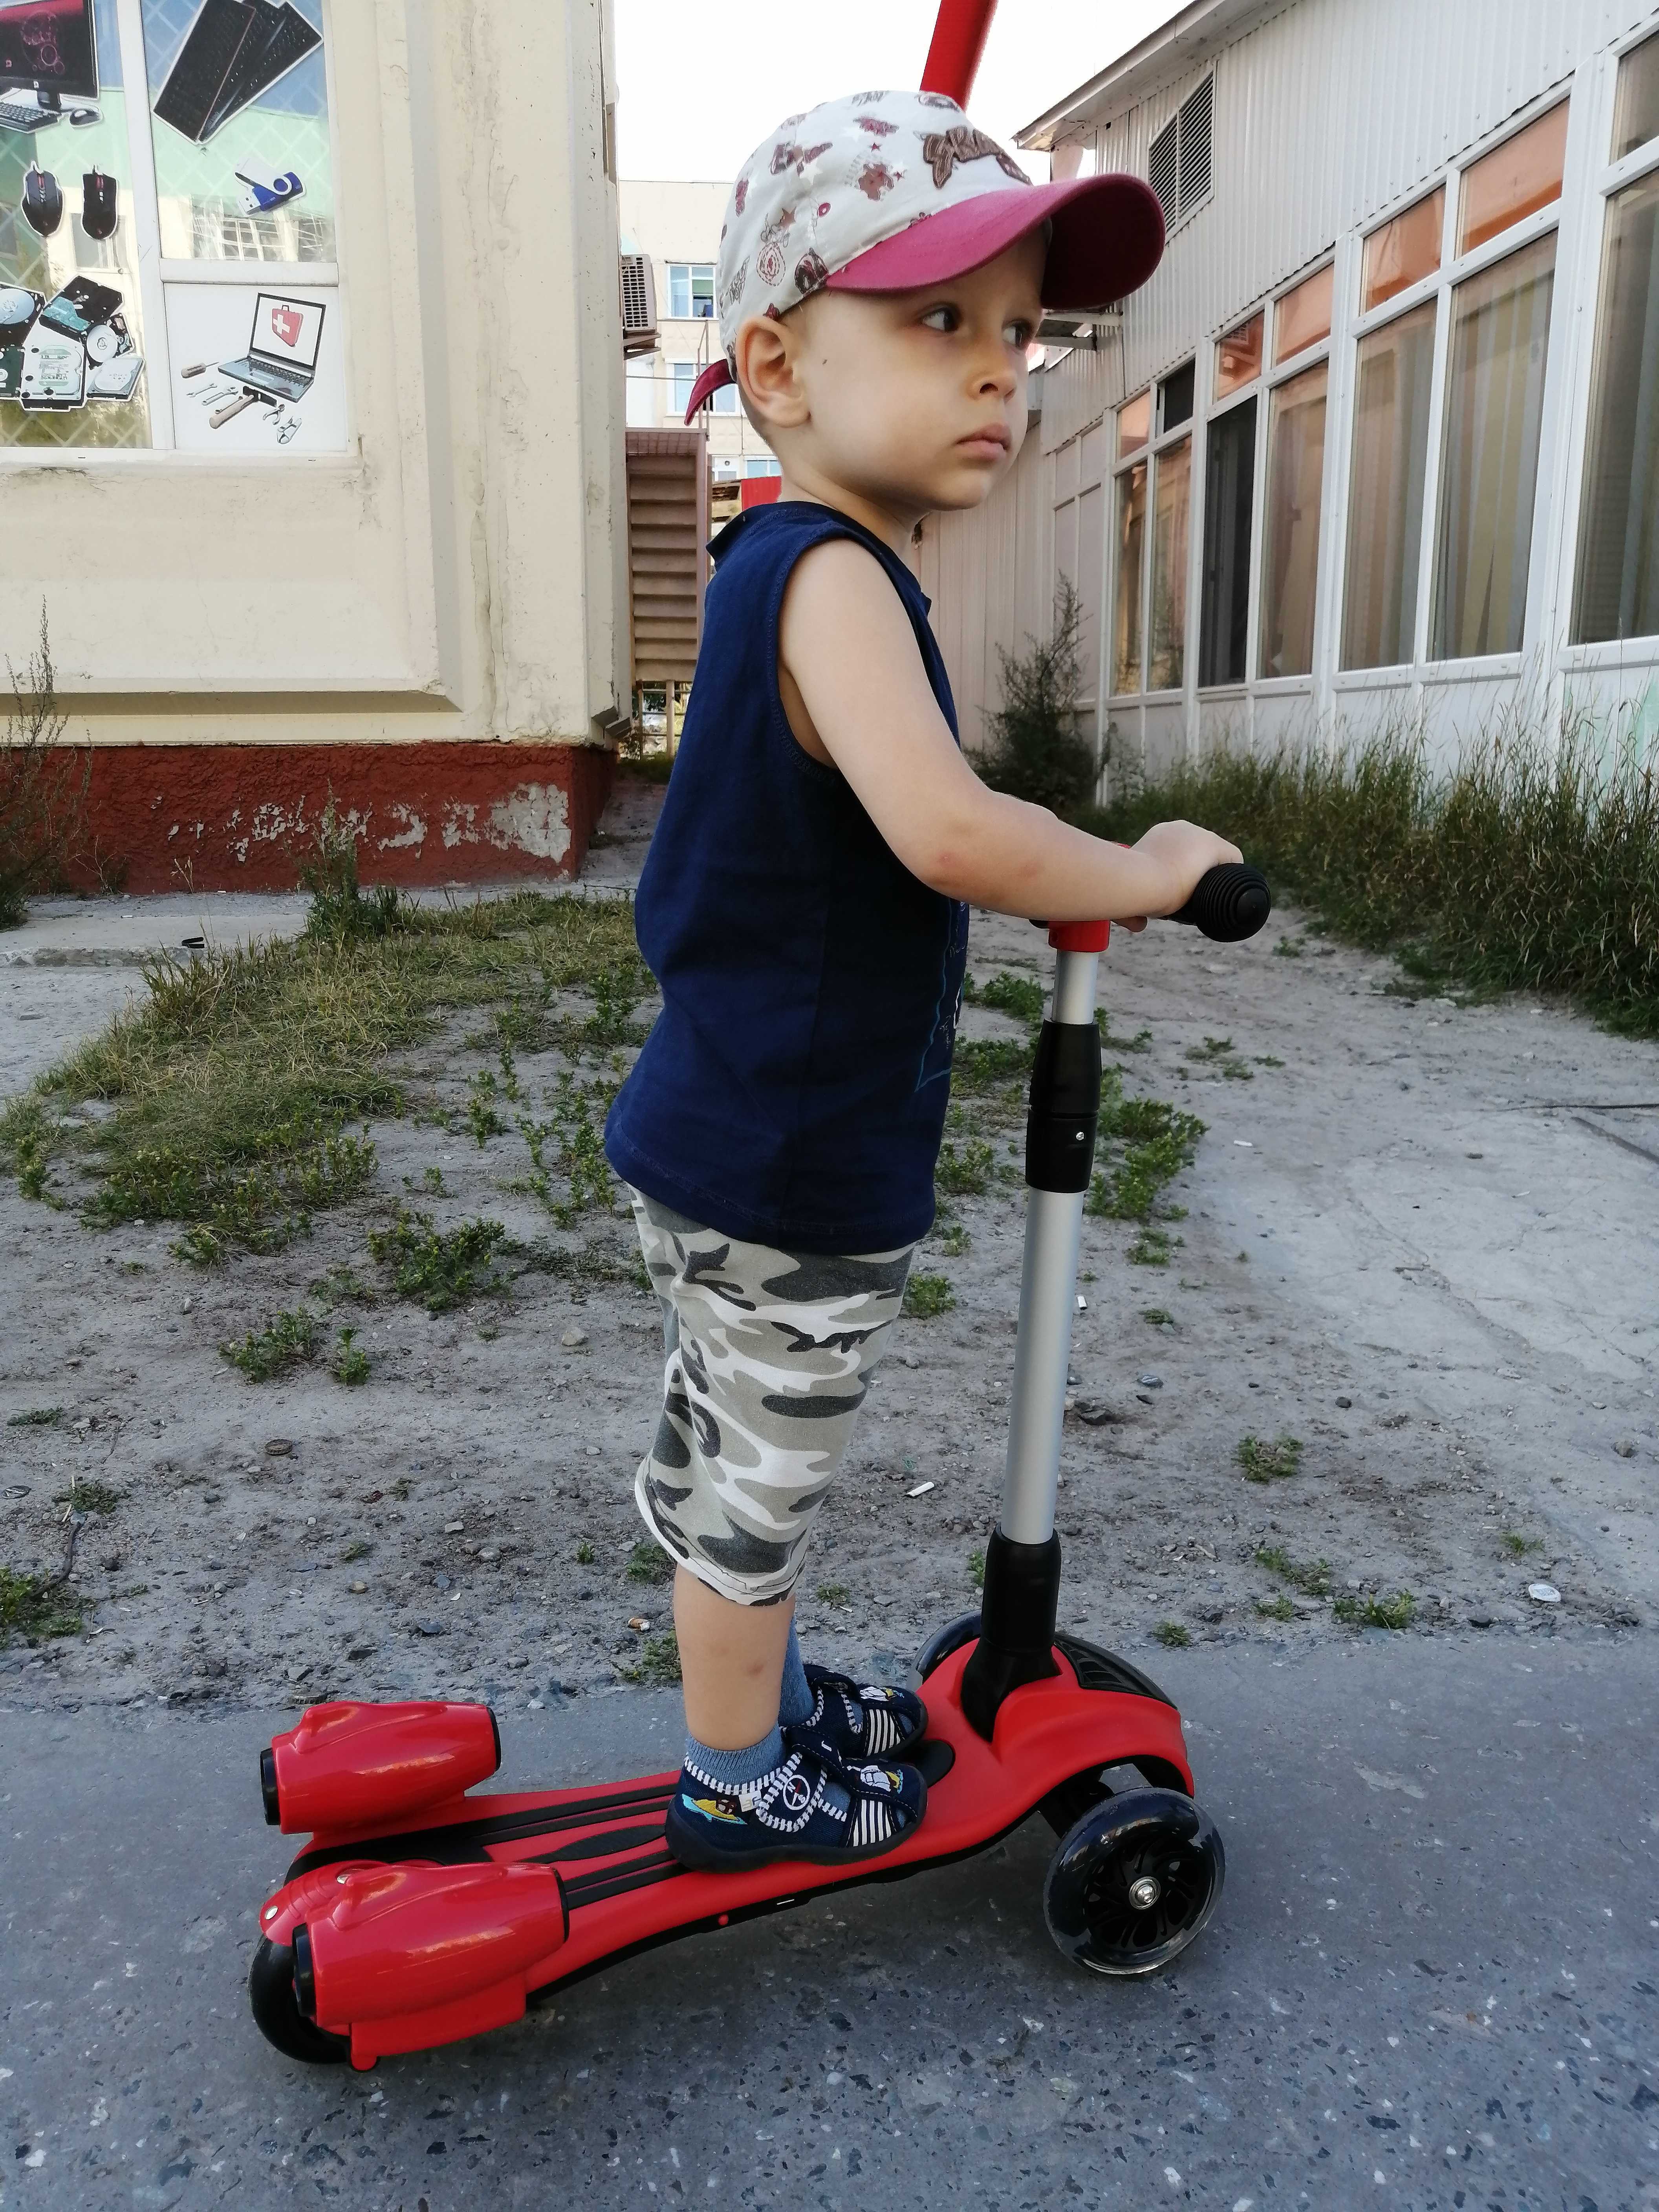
(915, 400)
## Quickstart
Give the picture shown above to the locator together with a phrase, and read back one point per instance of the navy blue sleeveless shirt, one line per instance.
(793, 1090)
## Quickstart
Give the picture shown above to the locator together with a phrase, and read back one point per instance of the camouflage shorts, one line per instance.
(768, 1356)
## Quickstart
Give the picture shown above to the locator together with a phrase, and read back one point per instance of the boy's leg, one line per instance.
(731, 1661)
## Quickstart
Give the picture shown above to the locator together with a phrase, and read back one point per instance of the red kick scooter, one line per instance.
(418, 1914)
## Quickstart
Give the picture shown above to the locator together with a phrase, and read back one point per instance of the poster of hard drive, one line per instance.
(257, 368)
(72, 369)
(239, 97)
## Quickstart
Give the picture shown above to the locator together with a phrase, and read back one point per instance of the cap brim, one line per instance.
(716, 374)
(1108, 238)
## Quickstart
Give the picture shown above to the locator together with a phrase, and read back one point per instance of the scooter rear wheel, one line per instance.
(276, 2010)
(1134, 1882)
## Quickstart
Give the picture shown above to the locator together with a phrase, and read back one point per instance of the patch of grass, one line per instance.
(83, 1497)
(350, 1365)
(1160, 1142)
(1140, 1041)
(976, 1566)
(833, 1593)
(576, 1134)
(1022, 996)
(1518, 1546)
(1311, 1576)
(987, 1064)
(399, 1490)
(43, 785)
(33, 1608)
(658, 1663)
(1172, 1635)
(1533, 863)
(963, 1174)
(586, 1554)
(1212, 1049)
(926, 1297)
(1269, 1462)
(1150, 1249)
(1287, 949)
(480, 1116)
(649, 1563)
(1276, 1608)
(340, 912)
(1266, 1059)
(357, 1549)
(199, 1247)
(288, 1339)
(952, 1241)
(441, 1268)
(1157, 1316)
(1397, 1612)
(38, 1417)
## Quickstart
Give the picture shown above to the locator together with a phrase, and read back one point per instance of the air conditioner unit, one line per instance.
(639, 304)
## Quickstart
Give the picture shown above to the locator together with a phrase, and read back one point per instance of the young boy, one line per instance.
(883, 267)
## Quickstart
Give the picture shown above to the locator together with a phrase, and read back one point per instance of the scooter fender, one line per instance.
(405, 1956)
(362, 1766)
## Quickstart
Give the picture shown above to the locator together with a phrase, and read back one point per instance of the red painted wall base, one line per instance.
(244, 818)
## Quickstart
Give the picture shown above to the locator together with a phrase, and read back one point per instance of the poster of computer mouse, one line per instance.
(257, 368)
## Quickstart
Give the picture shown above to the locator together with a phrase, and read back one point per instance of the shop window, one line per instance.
(234, 97)
(1290, 527)
(1166, 628)
(1175, 399)
(1131, 543)
(1403, 252)
(1229, 481)
(1489, 469)
(1238, 356)
(1514, 180)
(1303, 316)
(1618, 584)
(1393, 379)
(1134, 423)
(691, 290)
(1636, 107)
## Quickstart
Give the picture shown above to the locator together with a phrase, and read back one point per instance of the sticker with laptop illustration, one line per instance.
(69, 351)
(256, 371)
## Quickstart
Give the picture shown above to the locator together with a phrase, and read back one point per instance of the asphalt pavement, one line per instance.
(1432, 1982)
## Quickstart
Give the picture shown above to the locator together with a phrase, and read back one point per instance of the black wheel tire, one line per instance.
(1065, 1806)
(276, 2010)
(964, 1629)
(1145, 1834)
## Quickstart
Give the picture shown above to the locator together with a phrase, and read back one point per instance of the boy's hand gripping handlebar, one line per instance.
(1228, 903)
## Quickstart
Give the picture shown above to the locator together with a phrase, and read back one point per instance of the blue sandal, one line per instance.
(852, 1722)
(807, 1808)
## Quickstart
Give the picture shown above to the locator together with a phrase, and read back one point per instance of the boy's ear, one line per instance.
(768, 352)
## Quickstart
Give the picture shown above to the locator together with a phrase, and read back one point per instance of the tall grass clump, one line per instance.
(1530, 863)
(43, 785)
(1035, 750)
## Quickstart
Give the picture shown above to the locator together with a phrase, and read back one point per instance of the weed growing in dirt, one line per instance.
(1172, 1635)
(659, 1664)
(1269, 1462)
(480, 1116)
(82, 1497)
(356, 1550)
(38, 1417)
(350, 1364)
(1275, 1609)
(976, 1566)
(288, 1340)
(1022, 996)
(833, 1593)
(1157, 1316)
(926, 1297)
(443, 1269)
(1035, 749)
(43, 785)
(1311, 1576)
(340, 912)
(32, 1608)
(952, 1241)
(1518, 1546)
(1150, 1249)
(1397, 1612)
(1287, 949)
(1161, 1142)
(586, 1554)
(649, 1563)
(963, 1174)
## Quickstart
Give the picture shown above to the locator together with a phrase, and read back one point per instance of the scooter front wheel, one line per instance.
(1134, 1882)
(276, 2010)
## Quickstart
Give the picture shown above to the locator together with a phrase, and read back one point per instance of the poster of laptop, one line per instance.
(255, 370)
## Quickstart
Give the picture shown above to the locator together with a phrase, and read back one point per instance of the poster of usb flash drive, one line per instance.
(257, 369)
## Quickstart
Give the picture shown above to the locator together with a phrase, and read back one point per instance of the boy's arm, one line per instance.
(847, 652)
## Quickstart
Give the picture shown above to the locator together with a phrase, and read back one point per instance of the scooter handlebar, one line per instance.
(1228, 903)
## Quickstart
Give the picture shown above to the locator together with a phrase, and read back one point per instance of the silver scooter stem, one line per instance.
(1047, 1301)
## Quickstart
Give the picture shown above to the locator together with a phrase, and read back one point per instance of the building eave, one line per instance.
(1191, 35)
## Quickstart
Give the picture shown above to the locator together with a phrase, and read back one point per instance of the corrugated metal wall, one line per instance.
(1339, 108)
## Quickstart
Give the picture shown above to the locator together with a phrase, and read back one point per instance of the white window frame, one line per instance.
(1118, 470)
(689, 266)
(1285, 372)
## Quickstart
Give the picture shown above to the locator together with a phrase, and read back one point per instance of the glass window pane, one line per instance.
(1385, 495)
(1290, 523)
(680, 291)
(1518, 177)
(1636, 111)
(1403, 252)
(1618, 593)
(1134, 423)
(1175, 399)
(684, 375)
(1167, 626)
(1238, 356)
(1130, 536)
(642, 392)
(1489, 471)
(703, 292)
(244, 169)
(1229, 493)
(1303, 317)
(725, 401)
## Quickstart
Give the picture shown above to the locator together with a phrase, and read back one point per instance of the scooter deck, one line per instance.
(622, 1892)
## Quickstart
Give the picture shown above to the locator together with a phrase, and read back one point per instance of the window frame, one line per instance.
(1147, 455)
(689, 267)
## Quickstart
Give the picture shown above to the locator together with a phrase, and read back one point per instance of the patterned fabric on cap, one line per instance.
(826, 186)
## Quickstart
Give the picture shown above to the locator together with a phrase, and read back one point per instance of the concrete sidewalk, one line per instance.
(1430, 1984)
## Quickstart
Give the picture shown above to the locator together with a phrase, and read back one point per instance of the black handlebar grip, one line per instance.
(1228, 903)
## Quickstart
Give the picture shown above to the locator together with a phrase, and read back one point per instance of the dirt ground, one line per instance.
(1419, 1238)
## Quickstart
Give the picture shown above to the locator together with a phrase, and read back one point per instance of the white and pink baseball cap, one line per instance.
(885, 192)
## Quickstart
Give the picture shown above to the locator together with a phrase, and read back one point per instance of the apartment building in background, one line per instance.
(1379, 441)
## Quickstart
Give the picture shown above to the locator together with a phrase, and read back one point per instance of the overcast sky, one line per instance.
(699, 87)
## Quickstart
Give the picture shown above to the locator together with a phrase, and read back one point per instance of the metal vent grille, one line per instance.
(1162, 169)
(1194, 119)
(639, 293)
